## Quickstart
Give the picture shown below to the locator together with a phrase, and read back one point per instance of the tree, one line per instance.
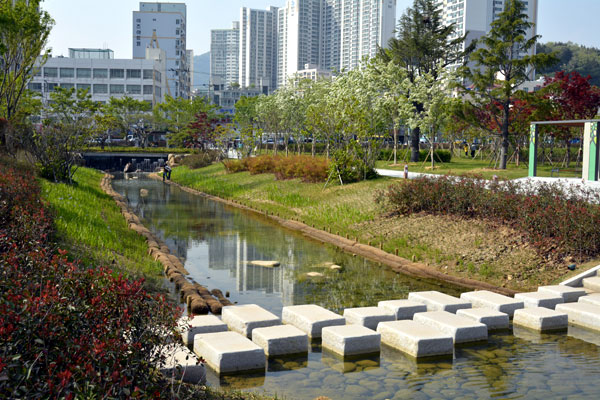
(423, 46)
(269, 116)
(24, 31)
(246, 120)
(175, 114)
(502, 64)
(126, 115)
(198, 133)
(570, 96)
(321, 115)
(57, 143)
(572, 57)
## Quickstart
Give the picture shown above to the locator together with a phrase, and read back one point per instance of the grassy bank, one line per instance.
(476, 166)
(469, 248)
(90, 225)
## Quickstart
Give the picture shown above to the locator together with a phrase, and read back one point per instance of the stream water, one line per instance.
(218, 241)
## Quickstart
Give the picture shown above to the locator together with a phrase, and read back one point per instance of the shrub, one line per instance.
(552, 217)
(201, 160)
(307, 168)
(67, 331)
(439, 155)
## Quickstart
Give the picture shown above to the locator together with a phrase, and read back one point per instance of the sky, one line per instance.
(107, 23)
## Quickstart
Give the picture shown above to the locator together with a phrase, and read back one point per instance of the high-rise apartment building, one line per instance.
(331, 23)
(366, 25)
(163, 25)
(476, 16)
(225, 55)
(258, 48)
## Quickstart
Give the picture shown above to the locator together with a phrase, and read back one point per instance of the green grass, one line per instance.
(477, 166)
(89, 224)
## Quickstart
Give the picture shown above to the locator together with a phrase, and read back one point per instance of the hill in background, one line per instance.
(201, 70)
(573, 57)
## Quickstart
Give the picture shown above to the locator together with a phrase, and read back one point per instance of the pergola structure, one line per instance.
(590, 145)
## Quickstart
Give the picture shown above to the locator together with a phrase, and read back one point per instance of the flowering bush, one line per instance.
(67, 331)
(308, 169)
(555, 219)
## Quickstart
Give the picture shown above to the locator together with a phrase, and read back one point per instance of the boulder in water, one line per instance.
(262, 263)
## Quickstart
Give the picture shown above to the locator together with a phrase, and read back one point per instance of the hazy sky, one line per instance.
(107, 23)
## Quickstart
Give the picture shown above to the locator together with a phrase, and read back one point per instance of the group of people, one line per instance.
(473, 149)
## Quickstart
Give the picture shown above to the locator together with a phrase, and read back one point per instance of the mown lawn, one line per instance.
(90, 225)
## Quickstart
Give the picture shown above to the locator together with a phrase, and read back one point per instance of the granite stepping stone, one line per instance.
(539, 299)
(227, 352)
(494, 320)
(350, 340)
(437, 301)
(189, 327)
(569, 294)
(415, 339)
(495, 301)
(311, 318)
(402, 309)
(462, 329)
(582, 314)
(368, 316)
(243, 319)
(541, 319)
(592, 283)
(281, 340)
(592, 299)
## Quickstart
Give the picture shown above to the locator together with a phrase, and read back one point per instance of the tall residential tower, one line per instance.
(225, 55)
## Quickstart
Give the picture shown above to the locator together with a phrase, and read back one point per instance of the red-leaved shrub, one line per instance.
(306, 168)
(564, 220)
(67, 331)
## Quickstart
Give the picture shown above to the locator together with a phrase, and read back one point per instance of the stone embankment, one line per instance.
(197, 297)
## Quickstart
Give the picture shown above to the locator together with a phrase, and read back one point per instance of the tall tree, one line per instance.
(502, 63)
(424, 45)
(246, 119)
(126, 115)
(175, 114)
(24, 31)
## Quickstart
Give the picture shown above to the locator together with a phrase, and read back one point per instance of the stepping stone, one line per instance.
(541, 319)
(462, 329)
(569, 294)
(582, 314)
(368, 316)
(592, 283)
(415, 339)
(243, 319)
(268, 264)
(494, 320)
(495, 301)
(592, 299)
(311, 319)
(539, 299)
(281, 340)
(436, 301)
(402, 309)
(350, 340)
(199, 324)
(181, 364)
(229, 352)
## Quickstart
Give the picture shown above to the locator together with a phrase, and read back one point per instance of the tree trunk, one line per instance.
(504, 148)
(313, 149)
(395, 145)
(415, 135)
(568, 157)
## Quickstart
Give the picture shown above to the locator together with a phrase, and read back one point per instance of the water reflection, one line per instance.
(217, 242)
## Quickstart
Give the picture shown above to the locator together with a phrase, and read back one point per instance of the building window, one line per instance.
(35, 86)
(52, 86)
(117, 73)
(147, 74)
(137, 44)
(100, 73)
(138, 20)
(100, 88)
(157, 91)
(177, 22)
(67, 73)
(134, 74)
(84, 72)
(84, 86)
(67, 86)
(37, 71)
(158, 76)
(50, 72)
(134, 89)
(117, 89)
(147, 89)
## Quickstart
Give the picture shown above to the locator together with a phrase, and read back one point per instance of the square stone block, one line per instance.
(592, 283)
(461, 329)
(436, 301)
(350, 340)
(311, 318)
(539, 299)
(181, 364)
(582, 314)
(415, 339)
(402, 309)
(227, 352)
(591, 299)
(281, 340)
(541, 319)
(189, 327)
(243, 319)
(569, 294)
(368, 316)
(495, 301)
(494, 320)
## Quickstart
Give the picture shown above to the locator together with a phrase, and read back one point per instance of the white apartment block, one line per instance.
(258, 48)
(140, 79)
(331, 24)
(366, 25)
(476, 16)
(163, 25)
(225, 55)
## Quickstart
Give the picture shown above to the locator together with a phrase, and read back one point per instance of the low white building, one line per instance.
(104, 77)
